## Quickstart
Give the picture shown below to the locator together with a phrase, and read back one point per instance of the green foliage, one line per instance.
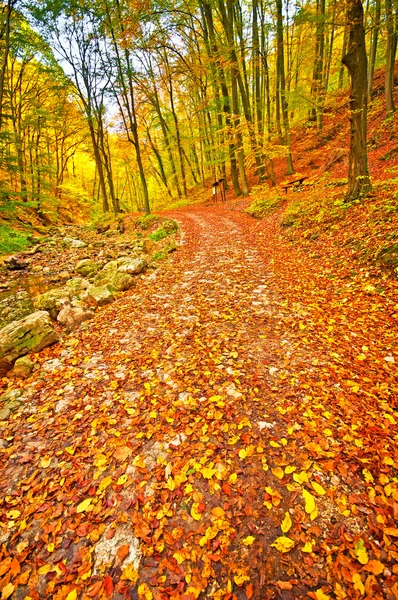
(159, 256)
(12, 240)
(146, 221)
(168, 227)
(266, 201)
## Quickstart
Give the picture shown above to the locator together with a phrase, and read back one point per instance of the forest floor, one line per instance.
(226, 429)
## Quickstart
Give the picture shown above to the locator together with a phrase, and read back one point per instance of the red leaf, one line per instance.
(94, 589)
(108, 585)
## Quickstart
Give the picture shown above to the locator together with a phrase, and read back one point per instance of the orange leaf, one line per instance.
(284, 585)
(94, 589)
(15, 567)
(123, 551)
(123, 453)
(374, 566)
(249, 591)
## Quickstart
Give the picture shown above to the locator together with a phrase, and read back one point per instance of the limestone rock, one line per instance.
(113, 278)
(87, 267)
(132, 266)
(15, 263)
(15, 307)
(52, 300)
(100, 295)
(77, 286)
(10, 396)
(4, 414)
(31, 334)
(71, 316)
(72, 243)
(23, 367)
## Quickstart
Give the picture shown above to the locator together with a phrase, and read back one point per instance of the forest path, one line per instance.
(206, 436)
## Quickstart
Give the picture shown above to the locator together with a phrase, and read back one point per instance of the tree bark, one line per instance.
(373, 49)
(356, 62)
(282, 84)
(390, 58)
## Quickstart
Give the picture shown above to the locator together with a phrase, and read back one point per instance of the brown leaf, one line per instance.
(123, 453)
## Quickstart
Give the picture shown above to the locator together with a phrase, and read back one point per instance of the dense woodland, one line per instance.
(128, 105)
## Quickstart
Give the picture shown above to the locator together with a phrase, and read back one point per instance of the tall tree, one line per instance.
(356, 62)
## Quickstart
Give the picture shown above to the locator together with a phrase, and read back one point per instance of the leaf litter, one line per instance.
(227, 430)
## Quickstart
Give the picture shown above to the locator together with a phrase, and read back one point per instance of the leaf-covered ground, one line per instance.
(226, 430)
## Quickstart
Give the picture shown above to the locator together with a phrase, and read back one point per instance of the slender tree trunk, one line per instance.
(343, 53)
(390, 58)
(356, 62)
(373, 49)
(4, 58)
(281, 69)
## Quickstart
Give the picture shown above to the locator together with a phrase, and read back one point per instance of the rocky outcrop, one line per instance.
(112, 277)
(31, 334)
(15, 307)
(52, 301)
(132, 266)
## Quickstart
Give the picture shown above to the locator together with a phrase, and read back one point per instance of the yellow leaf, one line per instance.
(50, 547)
(13, 514)
(300, 477)
(360, 552)
(286, 523)
(144, 593)
(100, 460)
(179, 557)
(274, 444)
(194, 511)
(129, 573)
(310, 505)
(7, 591)
(232, 478)
(70, 450)
(45, 462)
(171, 484)
(290, 469)
(241, 577)
(307, 547)
(283, 544)
(104, 483)
(83, 506)
(242, 453)
(358, 585)
(278, 472)
(368, 476)
(122, 479)
(218, 512)
(318, 488)
(247, 541)
(207, 472)
(72, 595)
(321, 596)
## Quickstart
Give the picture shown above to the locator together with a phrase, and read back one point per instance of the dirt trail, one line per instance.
(195, 441)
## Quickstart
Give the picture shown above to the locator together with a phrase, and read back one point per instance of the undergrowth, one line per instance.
(12, 240)
(265, 201)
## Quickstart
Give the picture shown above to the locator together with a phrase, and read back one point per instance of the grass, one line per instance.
(265, 202)
(12, 240)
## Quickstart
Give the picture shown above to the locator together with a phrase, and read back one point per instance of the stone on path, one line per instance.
(15, 307)
(72, 315)
(23, 367)
(31, 334)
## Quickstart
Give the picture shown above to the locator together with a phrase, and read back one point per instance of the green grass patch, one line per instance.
(146, 221)
(12, 240)
(265, 202)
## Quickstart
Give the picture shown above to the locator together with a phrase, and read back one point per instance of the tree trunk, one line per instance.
(373, 50)
(281, 70)
(356, 62)
(390, 58)
(7, 26)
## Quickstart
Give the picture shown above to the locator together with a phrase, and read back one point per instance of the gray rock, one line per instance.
(31, 334)
(72, 243)
(101, 295)
(87, 267)
(52, 300)
(71, 316)
(132, 266)
(52, 365)
(23, 367)
(15, 307)
(4, 414)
